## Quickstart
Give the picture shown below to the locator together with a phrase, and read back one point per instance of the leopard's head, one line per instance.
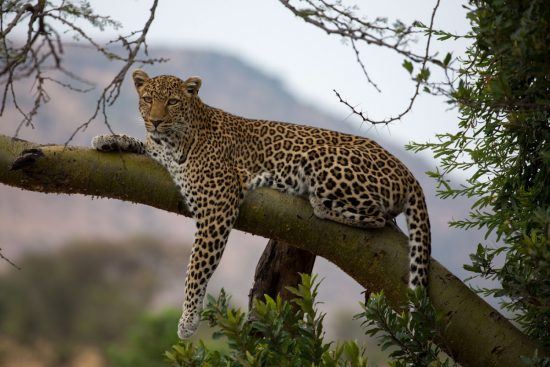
(164, 101)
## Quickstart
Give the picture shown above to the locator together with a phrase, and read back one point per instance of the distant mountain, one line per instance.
(31, 221)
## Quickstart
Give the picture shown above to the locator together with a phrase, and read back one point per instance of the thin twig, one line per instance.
(8, 260)
(355, 29)
(419, 81)
(39, 57)
(360, 62)
(112, 91)
(336, 19)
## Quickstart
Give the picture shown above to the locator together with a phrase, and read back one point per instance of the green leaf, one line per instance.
(447, 59)
(408, 66)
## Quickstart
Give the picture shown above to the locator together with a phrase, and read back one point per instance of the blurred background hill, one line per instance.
(36, 224)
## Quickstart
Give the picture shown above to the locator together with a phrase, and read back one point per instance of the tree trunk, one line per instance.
(279, 267)
(476, 335)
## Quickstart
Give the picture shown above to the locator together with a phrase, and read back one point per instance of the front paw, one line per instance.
(105, 143)
(187, 325)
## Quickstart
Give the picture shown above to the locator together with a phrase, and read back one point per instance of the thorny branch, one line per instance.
(31, 49)
(337, 19)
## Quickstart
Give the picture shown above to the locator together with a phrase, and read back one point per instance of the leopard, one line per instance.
(215, 158)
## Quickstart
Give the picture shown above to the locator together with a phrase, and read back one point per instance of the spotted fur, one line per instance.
(215, 157)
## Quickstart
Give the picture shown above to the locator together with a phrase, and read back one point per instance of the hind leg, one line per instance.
(371, 217)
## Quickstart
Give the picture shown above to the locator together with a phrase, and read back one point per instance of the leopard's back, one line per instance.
(348, 179)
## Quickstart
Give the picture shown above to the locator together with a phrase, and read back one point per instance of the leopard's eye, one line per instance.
(173, 101)
(147, 99)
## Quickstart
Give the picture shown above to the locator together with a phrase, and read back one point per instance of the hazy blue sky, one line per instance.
(310, 63)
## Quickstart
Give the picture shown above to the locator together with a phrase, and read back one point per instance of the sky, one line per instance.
(308, 62)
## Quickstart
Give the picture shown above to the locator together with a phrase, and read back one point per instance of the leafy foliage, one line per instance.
(503, 143)
(276, 334)
(281, 333)
(411, 334)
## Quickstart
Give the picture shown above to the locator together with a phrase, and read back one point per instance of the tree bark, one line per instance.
(279, 267)
(476, 335)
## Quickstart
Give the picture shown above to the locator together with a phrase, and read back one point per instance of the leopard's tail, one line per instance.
(418, 223)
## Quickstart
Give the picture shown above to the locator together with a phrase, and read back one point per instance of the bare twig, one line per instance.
(336, 19)
(351, 27)
(419, 80)
(39, 57)
(360, 62)
(6, 259)
(112, 91)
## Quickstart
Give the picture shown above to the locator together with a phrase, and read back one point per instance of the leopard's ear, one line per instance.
(140, 77)
(192, 85)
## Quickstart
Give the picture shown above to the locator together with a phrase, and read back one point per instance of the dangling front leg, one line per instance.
(215, 213)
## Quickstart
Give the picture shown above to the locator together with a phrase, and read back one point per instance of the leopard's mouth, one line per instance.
(161, 128)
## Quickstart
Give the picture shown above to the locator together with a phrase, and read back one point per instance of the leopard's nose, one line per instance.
(156, 123)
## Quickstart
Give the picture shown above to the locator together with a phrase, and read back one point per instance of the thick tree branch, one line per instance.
(476, 336)
(279, 267)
